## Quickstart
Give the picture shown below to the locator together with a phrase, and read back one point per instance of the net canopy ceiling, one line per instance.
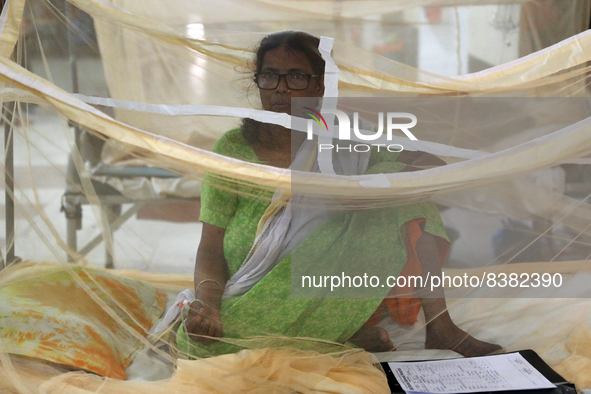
(114, 108)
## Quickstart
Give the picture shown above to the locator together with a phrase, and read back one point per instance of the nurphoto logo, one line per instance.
(345, 130)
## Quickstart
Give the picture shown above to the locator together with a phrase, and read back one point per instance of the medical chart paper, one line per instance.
(468, 375)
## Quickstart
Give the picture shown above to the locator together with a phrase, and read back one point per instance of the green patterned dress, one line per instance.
(366, 241)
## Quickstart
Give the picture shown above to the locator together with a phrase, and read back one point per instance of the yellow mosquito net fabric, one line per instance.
(114, 107)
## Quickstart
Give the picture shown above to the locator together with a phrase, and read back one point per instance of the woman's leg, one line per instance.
(442, 332)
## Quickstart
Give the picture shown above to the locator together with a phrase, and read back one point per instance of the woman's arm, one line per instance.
(211, 274)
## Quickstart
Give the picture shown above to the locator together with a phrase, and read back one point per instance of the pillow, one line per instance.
(73, 316)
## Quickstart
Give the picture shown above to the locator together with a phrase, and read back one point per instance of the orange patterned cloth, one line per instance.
(406, 309)
(73, 316)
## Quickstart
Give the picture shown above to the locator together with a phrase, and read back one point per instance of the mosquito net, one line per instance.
(403, 175)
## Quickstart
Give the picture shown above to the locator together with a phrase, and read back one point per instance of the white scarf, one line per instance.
(284, 231)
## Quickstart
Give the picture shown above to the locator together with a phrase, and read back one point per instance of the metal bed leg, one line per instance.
(72, 207)
(113, 226)
(9, 111)
(112, 212)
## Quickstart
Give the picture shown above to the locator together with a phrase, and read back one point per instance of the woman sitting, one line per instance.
(242, 292)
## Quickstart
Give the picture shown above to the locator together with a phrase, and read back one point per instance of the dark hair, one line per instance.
(297, 41)
(294, 40)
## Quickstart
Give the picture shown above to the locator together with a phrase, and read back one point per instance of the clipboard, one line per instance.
(562, 386)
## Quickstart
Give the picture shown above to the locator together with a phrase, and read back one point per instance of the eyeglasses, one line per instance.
(294, 81)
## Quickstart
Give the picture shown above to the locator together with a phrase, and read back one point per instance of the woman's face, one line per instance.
(284, 61)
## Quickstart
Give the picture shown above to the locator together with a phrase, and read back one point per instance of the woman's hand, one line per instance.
(202, 322)
(211, 273)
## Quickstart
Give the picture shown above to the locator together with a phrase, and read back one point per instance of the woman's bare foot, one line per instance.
(372, 339)
(446, 335)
